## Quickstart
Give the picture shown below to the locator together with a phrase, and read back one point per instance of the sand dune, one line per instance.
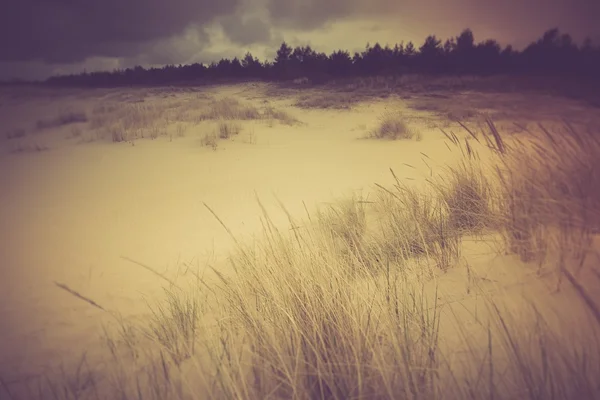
(75, 205)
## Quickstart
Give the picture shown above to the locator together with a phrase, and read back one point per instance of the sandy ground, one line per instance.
(69, 214)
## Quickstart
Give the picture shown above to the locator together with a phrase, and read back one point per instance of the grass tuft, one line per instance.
(279, 115)
(468, 194)
(174, 324)
(549, 191)
(210, 140)
(325, 101)
(229, 108)
(393, 126)
(228, 129)
(62, 119)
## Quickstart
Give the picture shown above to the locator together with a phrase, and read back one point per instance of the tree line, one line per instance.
(553, 54)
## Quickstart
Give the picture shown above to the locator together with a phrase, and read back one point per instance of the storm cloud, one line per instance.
(246, 30)
(310, 14)
(40, 37)
(62, 31)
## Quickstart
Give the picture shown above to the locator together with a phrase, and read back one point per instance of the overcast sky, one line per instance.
(39, 38)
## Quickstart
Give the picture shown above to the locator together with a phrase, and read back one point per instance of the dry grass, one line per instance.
(306, 322)
(416, 223)
(174, 324)
(210, 140)
(319, 100)
(469, 190)
(65, 118)
(342, 305)
(230, 109)
(394, 126)
(128, 122)
(550, 192)
(468, 195)
(279, 115)
(132, 121)
(228, 129)
(180, 130)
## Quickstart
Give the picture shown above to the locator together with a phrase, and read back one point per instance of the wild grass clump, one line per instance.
(174, 324)
(180, 129)
(468, 190)
(228, 129)
(325, 101)
(279, 115)
(416, 223)
(156, 130)
(345, 220)
(309, 330)
(210, 140)
(118, 133)
(467, 193)
(132, 121)
(231, 109)
(550, 196)
(129, 122)
(343, 226)
(64, 118)
(394, 126)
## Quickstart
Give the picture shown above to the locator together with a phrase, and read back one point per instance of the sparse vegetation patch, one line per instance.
(138, 121)
(230, 108)
(394, 126)
(210, 140)
(326, 100)
(279, 115)
(228, 129)
(62, 119)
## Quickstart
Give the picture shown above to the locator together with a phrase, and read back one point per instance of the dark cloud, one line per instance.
(309, 14)
(246, 31)
(61, 31)
(38, 37)
(177, 50)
